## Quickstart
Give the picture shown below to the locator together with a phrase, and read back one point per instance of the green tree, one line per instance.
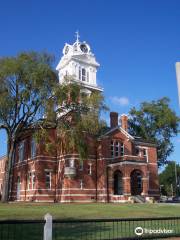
(156, 122)
(170, 179)
(25, 82)
(32, 98)
(75, 115)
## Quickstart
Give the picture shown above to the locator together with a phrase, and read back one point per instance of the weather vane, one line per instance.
(77, 36)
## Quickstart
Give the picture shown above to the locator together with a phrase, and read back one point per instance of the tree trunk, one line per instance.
(6, 180)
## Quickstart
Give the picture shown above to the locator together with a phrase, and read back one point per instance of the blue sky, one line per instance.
(136, 42)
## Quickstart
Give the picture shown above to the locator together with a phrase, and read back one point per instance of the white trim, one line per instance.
(118, 201)
(78, 201)
(120, 129)
(126, 162)
(63, 189)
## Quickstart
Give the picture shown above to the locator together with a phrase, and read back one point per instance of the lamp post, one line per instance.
(175, 174)
(178, 85)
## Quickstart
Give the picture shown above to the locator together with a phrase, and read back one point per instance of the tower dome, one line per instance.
(79, 63)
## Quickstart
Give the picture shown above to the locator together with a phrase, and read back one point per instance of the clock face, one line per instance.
(84, 48)
(66, 49)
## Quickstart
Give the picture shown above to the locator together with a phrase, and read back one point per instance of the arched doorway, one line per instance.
(136, 183)
(118, 183)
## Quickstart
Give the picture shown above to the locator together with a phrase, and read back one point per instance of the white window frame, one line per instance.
(90, 169)
(81, 184)
(49, 174)
(29, 180)
(71, 163)
(33, 180)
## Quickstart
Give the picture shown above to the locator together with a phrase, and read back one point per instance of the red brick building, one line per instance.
(118, 165)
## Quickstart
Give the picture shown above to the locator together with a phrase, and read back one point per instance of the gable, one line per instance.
(118, 132)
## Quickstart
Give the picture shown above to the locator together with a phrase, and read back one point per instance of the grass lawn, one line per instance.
(79, 211)
(85, 230)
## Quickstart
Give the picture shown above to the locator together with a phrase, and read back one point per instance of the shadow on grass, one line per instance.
(21, 231)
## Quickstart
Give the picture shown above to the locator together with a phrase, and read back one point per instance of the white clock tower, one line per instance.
(79, 62)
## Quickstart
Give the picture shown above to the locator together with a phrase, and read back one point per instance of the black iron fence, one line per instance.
(93, 229)
(21, 229)
(116, 229)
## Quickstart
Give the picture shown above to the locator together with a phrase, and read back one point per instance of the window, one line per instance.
(144, 152)
(139, 181)
(81, 184)
(48, 180)
(81, 165)
(29, 180)
(117, 149)
(90, 169)
(118, 183)
(33, 148)
(122, 149)
(21, 151)
(71, 163)
(83, 74)
(137, 151)
(33, 178)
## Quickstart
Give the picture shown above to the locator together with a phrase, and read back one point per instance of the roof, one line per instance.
(137, 140)
(120, 129)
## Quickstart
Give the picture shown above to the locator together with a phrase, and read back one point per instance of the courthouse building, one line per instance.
(119, 167)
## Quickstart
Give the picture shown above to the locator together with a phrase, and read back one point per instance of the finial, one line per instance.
(77, 36)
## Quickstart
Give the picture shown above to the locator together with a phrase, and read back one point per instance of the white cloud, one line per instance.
(122, 101)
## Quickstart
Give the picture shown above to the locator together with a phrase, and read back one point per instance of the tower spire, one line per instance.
(77, 36)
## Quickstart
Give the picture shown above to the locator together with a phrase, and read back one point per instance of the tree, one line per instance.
(25, 82)
(170, 179)
(32, 98)
(156, 122)
(75, 115)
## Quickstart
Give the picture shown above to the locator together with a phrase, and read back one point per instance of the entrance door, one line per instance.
(18, 188)
(136, 183)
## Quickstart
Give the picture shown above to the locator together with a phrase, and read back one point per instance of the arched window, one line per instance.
(118, 183)
(83, 74)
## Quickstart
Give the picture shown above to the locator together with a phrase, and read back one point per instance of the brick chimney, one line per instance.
(113, 119)
(124, 122)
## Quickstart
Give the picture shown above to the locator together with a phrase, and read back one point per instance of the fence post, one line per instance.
(48, 227)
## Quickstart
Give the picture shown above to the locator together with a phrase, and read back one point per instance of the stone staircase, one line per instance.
(139, 199)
